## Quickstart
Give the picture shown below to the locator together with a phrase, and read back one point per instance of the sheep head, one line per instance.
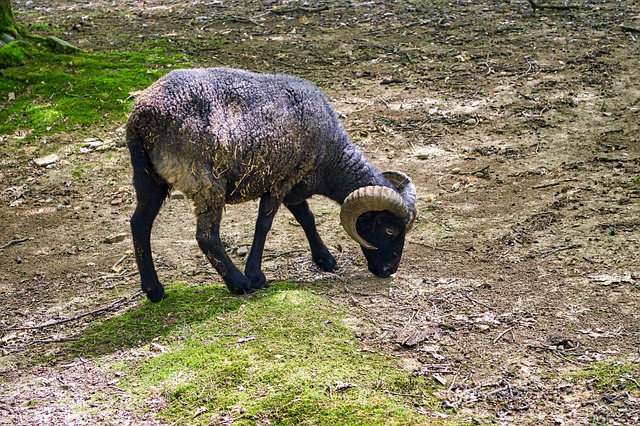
(378, 218)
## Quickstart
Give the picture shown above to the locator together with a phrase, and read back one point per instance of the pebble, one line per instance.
(46, 160)
(115, 238)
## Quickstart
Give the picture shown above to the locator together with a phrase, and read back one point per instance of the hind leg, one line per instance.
(208, 237)
(150, 195)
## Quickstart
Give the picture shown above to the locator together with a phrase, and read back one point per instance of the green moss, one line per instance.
(281, 356)
(613, 376)
(54, 93)
(15, 53)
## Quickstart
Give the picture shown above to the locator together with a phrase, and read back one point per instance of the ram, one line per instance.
(223, 135)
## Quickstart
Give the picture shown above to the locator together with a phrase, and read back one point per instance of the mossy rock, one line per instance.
(15, 53)
(60, 46)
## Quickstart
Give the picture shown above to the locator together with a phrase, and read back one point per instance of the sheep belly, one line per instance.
(215, 174)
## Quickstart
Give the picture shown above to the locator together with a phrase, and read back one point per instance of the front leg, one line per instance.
(253, 269)
(208, 237)
(319, 251)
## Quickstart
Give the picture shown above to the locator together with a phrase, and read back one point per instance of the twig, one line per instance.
(477, 301)
(557, 352)
(502, 334)
(307, 9)
(118, 262)
(554, 183)
(540, 5)
(14, 242)
(280, 61)
(629, 29)
(244, 20)
(410, 395)
(438, 248)
(77, 317)
(482, 170)
(556, 250)
(284, 253)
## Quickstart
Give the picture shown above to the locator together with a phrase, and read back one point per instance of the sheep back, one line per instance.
(233, 135)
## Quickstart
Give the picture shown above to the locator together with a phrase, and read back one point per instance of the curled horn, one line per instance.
(407, 191)
(367, 199)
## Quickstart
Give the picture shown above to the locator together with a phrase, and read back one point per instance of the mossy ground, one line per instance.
(282, 356)
(51, 93)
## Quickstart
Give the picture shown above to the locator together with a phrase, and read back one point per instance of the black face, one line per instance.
(385, 231)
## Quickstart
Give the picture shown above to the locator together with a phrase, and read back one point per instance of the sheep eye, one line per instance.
(390, 231)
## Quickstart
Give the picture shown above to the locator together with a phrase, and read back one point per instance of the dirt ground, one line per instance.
(518, 126)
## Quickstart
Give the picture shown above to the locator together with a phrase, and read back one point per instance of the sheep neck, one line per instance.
(350, 172)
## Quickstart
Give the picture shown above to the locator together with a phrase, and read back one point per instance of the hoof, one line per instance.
(258, 280)
(156, 296)
(326, 262)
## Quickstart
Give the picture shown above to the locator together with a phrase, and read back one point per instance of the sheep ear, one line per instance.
(407, 191)
(367, 199)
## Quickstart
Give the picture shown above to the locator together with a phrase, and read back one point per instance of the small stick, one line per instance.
(482, 170)
(539, 5)
(284, 253)
(629, 29)
(556, 250)
(285, 10)
(548, 184)
(502, 334)
(437, 248)
(477, 301)
(14, 242)
(118, 262)
(557, 352)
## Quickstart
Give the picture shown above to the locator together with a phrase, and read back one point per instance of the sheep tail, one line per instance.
(145, 177)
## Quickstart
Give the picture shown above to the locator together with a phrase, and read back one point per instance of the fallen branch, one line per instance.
(629, 29)
(438, 248)
(468, 295)
(284, 253)
(556, 250)
(306, 9)
(14, 242)
(482, 170)
(503, 333)
(77, 317)
(243, 20)
(554, 183)
(540, 5)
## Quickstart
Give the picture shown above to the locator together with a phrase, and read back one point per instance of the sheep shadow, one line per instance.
(185, 307)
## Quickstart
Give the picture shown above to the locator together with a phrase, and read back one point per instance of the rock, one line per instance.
(7, 38)
(177, 195)
(60, 46)
(115, 238)
(242, 251)
(46, 160)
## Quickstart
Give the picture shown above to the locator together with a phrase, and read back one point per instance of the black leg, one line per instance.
(150, 195)
(208, 237)
(253, 268)
(319, 251)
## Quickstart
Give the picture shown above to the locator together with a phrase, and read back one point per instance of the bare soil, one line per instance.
(518, 126)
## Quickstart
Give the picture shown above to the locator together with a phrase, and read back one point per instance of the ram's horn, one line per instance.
(367, 199)
(407, 191)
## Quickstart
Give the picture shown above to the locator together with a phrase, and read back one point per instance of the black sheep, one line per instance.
(226, 136)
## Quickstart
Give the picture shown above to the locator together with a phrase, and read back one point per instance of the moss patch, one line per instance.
(282, 356)
(60, 93)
